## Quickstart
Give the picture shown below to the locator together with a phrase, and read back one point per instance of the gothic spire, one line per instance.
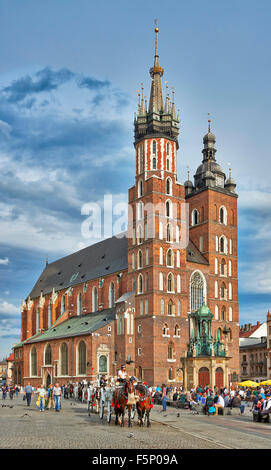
(156, 72)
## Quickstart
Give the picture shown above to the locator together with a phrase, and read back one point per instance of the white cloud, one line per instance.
(4, 261)
(8, 309)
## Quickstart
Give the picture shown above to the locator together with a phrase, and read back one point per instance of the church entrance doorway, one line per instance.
(219, 377)
(204, 377)
(48, 380)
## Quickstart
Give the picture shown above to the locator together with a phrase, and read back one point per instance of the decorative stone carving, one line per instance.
(41, 300)
(54, 296)
(29, 303)
(23, 305)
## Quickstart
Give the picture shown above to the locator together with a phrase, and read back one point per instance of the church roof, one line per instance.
(76, 326)
(101, 259)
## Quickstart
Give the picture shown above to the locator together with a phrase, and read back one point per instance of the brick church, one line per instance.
(163, 297)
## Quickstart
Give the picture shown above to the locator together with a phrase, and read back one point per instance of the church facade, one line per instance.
(163, 297)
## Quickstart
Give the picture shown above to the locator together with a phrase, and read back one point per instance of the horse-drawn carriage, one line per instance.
(119, 396)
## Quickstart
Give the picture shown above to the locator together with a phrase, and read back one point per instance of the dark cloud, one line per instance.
(45, 80)
(92, 83)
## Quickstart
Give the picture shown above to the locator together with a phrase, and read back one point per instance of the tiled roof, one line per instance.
(247, 334)
(76, 326)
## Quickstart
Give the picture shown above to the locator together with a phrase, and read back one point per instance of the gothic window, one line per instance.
(140, 210)
(140, 284)
(133, 260)
(223, 268)
(177, 330)
(177, 234)
(168, 164)
(230, 267)
(216, 312)
(230, 313)
(140, 188)
(141, 307)
(64, 359)
(154, 146)
(165, 329)
(170, 283)
(147, 256)
(79, 304)
(195, 217)
(178, 259)
(179, 308)
(216, 289)
(82, 358)
(111, 295)
(161, 231)
(170, 308)
(216, 266)
(146, 307)
(223, 215)
(48, 355)
(161, 255)
(169, 258)
(223, 314)
(223, 244)
(196, 291)
(170, 374)
(178, 283)
(201, 243)
(63, 306)
(230, 291)
(147, 281)
(154, 163)
(139, 259)
(146, 231)
(140, 235)
(169, 233)
(161, 281)
(167, 148)
(223, 291)
(170, 351)
(33, 362)
(162, 307)
(168, 209)
(94, 299)
(169, 186)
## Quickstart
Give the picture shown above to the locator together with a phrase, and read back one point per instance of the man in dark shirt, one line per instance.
(236, 403)
(28, 393)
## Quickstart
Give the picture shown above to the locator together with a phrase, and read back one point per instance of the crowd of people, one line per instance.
(233, 397)
(10, 390)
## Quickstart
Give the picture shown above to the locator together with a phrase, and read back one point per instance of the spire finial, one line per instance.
(188, 173)
(209, 123)
(156, 30)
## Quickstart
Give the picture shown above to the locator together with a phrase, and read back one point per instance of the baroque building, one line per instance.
(143, 297)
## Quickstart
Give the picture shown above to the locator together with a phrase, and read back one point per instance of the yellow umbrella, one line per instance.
(265, 382)
(248, 383)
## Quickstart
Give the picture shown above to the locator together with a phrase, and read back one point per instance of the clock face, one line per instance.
(219, 181)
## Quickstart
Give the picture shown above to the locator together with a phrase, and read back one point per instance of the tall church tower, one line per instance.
(154, 227)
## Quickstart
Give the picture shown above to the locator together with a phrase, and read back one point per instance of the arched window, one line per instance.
(169, 233)
(64, 359)
(111, 295)
(178, 259)
(154, 163)
(216, 266)
(154, 147)
(140, 210)
(177, 330)
(162, 307)
(177, 234)
(160, 255)
(169, 257)
(139, 259)
(170, 308)
(168, 209)
(140, 188)
(216, 289)
(167, 148)
(140, 234)
(195, 217)
(196, 291)
(223, 244)
(49, 313)
(170, 374)
(170, 283)
(133, 261)
(103, 365)
(178, 283)
(223, 314)
(161, 234)
(147, 281)
(168, 186)
(223, 291)
(147, 256)
(230, 267)
(140, 284)
(63, 304)
(79, 304)
(216, 312)
(230, 313)
(161, 281)
(48, 355)
(33, 362)
(223, 215)
(230, 291)
(94, 299)
(82, 358)
(168, 164)
(179, 308)
(170, 351)
(223, 267)
(165, 329)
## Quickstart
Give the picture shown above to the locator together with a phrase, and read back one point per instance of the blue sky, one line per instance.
(70, 71)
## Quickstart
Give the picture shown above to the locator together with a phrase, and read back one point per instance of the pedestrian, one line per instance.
(57, 394)
(164, 397)
(50, 401)
(41, 397)
(28, 393)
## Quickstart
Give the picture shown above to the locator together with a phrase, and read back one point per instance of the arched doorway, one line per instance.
(204, 377)
(48, 380)
(219, 376)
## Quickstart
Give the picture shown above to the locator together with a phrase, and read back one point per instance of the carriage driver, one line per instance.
(122, 374)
